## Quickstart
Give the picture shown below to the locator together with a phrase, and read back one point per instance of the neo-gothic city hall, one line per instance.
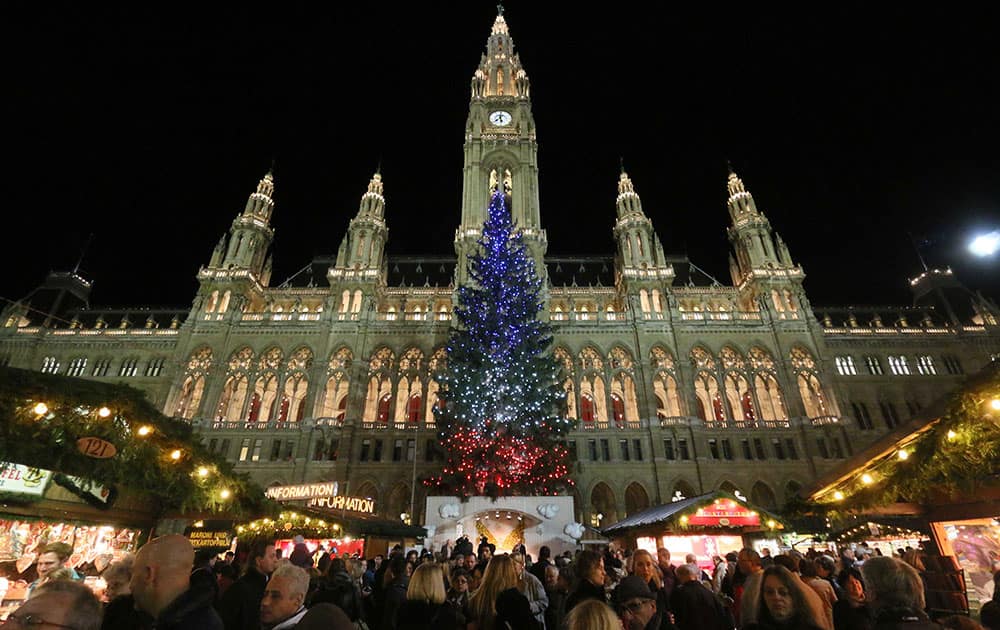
(681, 384)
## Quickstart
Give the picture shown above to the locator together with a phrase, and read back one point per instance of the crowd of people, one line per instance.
(167, 586)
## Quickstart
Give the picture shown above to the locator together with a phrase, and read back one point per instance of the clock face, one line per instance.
(500, 119)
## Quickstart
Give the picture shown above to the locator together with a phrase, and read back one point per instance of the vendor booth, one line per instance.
(939, 468)
(709, 525)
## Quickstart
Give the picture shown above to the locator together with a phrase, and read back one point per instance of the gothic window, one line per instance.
(190, 396)
(154, 367)
(383, 409)
(845, 365)
(438, 361)
(618, 409)
(129, 367)
(667, 397)
(769, 397)
(212, 301)
(802, 359)
(702, 359)
(587, 408)
(264, 402)
(224, 302)
(293, 398)
(335, 393)
(760, 359)
(77, 366)
(874, 365)
(382, 358)
(233, 399)
(590, 359)
(661, 359)
(731, 359)
(739, 398)
(414, 408)
(925, 365)
(636, 498)
(657, 302)
(952, 364)
(779, 305)
(812, 395)
(620, 359)
(50, 365)
(898, 365)
(432, 401)
(412, 359)
(862, 416)
(644, 300)
(356, 305)
(706, 391)
(271, 360)
(101, 367)
(602, 501)
(345, 301)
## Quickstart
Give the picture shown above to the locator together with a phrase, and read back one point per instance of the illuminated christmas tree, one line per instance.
(500, 413)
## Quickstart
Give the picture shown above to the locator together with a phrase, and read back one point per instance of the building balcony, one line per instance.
(820, 421)
(600, 425)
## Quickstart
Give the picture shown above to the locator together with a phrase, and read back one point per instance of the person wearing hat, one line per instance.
(301, 556)
(636, 604)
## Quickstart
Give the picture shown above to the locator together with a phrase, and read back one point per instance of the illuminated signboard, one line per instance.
(323, 495)
(18, 479)
(209, 538)
(725, 513)
(352, 504)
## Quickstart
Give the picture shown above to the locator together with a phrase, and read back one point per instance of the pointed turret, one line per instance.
(250, 235)
(638, 245)
(363, 246)
(762, 266)
(500, 72)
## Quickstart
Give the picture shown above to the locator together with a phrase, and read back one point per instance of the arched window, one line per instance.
(682, 490)
(812, 395)
(586, 407)
(414, 408)
(657, 303)
(345, 301)
(190, 396)
(356, 306)
(602, 501)
(636, 499)
(383, 409)
(224, 303)
(706, 391)
(644, 300)
(213, 300)
(762, 495)
(335, 393)
(234, 392)
(738, 397)
(769, 397)
(618, 409)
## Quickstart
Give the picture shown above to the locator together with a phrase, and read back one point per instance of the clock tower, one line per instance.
(501, 149)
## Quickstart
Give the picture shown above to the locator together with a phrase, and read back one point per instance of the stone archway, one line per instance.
(682, 490)
(762, 496)
(636, 499)
(602, 501)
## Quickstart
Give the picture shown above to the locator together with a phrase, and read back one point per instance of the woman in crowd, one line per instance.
(851, 610)
(590, 579)
(458, 594)
(592, 615)
(502, 576)
(396, 581)
(426, 607)
(783, 604)
(807, 569)
(644, 566)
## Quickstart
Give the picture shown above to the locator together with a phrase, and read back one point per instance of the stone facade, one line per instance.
(682, 384)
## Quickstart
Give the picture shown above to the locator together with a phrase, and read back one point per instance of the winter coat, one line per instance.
(904, 619)
(120, 614)
(393, 598)
(847, 617)
(239, 607)
(695, 607)
(585, 590)
(191, 611)
(415, 615)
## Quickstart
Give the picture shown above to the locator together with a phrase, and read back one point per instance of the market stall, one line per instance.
(95, 466)
(709, 525)
(941, 467)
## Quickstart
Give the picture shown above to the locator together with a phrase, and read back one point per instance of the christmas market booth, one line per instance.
(707, 525)
(324, 517)
(942, 468)
(95, 466)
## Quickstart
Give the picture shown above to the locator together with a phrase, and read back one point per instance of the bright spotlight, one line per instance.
(985, 244)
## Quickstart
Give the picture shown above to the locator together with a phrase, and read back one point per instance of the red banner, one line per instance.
(725, 513)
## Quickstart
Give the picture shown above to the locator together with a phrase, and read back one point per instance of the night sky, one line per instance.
(150, 129)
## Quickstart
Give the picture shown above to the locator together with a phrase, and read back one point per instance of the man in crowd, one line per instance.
(692, 559)
(694, 606)
(52, 558)
(161, 586)
(667, 569)
(470, 562)
(534, 590)
(765, 557)
(636, 604)
(283, 603)
(895, 594)
(60, 603)
(240, 606)
(747, 595)
(538, 569)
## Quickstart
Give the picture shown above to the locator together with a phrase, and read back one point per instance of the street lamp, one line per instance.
(985, 245)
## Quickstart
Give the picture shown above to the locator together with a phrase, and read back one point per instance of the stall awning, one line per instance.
(675, 510)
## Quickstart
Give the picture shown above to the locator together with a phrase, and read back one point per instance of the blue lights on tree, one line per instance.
(500, 410)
